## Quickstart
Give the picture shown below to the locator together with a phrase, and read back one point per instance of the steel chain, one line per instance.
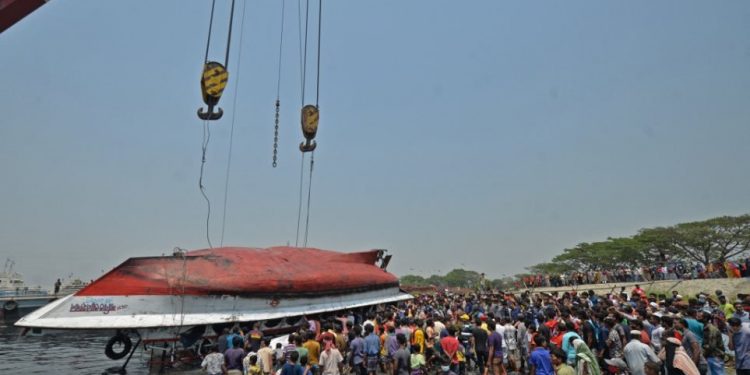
(276, 134)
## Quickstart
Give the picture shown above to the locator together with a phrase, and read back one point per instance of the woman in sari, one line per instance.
(586, 363)
(676, 360)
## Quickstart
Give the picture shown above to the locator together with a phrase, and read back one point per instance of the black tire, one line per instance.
(10, 306)
(118, 339)
(205, 347)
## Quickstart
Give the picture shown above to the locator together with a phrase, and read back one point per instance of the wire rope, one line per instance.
(317, 80)
(299, 208)
(229, 36)
(309, 192)
(210, 27)
(303, 74)
(231, 128)
(299, 30)
(317, 102)
(204, 147)
(206, 135)
(304, 62)
(274, 161)
(206, 128)
(281, 46)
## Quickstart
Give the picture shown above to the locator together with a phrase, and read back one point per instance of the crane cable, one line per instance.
(317, 79)
(317, 102)
(206, 129)
(274, 163)
(302, 69)
(299, 206)
(231, 129)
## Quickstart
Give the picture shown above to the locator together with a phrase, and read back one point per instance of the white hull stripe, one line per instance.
(115, 312)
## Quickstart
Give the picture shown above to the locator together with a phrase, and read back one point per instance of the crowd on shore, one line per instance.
(495, 333)
(675, 270)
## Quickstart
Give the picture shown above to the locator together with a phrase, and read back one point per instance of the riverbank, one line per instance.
(686, 288)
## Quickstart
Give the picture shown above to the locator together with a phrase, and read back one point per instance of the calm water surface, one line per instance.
(62, 353)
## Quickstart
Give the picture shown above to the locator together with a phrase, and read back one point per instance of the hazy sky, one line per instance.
(487, 135)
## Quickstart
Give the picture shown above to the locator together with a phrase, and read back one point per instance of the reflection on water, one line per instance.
(62, 353)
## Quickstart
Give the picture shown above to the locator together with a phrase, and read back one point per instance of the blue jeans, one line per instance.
(715, 366)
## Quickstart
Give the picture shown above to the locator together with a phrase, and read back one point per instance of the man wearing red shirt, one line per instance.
(562, 329)
(449, 344)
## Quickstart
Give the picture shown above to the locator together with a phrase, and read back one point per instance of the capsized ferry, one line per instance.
(190, 294)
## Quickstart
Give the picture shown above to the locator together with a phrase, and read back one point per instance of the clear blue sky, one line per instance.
(487, 135)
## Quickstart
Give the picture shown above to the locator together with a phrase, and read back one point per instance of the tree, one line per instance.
(658, 244)
(717, 239)
(587, 256)
(462, 278)
(626, 252)
(413, 280)
(612, 253)
(436, 280)
(550, 268)
(731, 236)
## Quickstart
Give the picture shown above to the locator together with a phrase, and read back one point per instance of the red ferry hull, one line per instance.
(220, 286)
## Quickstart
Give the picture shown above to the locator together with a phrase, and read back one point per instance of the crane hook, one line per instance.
(310, 117)
(213, 82)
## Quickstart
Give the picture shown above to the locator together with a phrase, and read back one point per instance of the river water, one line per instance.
(61, 354)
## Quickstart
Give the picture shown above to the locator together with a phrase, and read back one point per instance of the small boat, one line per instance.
(71, 286)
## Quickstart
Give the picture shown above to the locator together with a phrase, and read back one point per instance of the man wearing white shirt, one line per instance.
(637, 354)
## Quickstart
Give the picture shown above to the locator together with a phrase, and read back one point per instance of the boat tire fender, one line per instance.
(204, 348)
(10, 306)
(118, 339)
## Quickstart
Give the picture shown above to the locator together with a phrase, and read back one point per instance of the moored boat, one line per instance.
(17, 298)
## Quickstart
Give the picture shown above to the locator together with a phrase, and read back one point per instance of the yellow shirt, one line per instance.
(564, 369)
(419, 339)
(728, 310)
(313, 351)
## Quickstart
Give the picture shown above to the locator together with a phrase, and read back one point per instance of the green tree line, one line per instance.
(713, 240)
(457, 278)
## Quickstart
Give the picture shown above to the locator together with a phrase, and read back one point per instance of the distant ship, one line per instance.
(16, 298)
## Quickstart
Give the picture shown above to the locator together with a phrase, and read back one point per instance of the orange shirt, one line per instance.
(557, 340)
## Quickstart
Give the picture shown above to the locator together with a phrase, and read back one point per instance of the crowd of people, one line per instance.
(673, 270)
(495, 333)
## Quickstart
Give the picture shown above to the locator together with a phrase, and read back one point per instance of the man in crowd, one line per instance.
(637, 354)
(739, 341)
